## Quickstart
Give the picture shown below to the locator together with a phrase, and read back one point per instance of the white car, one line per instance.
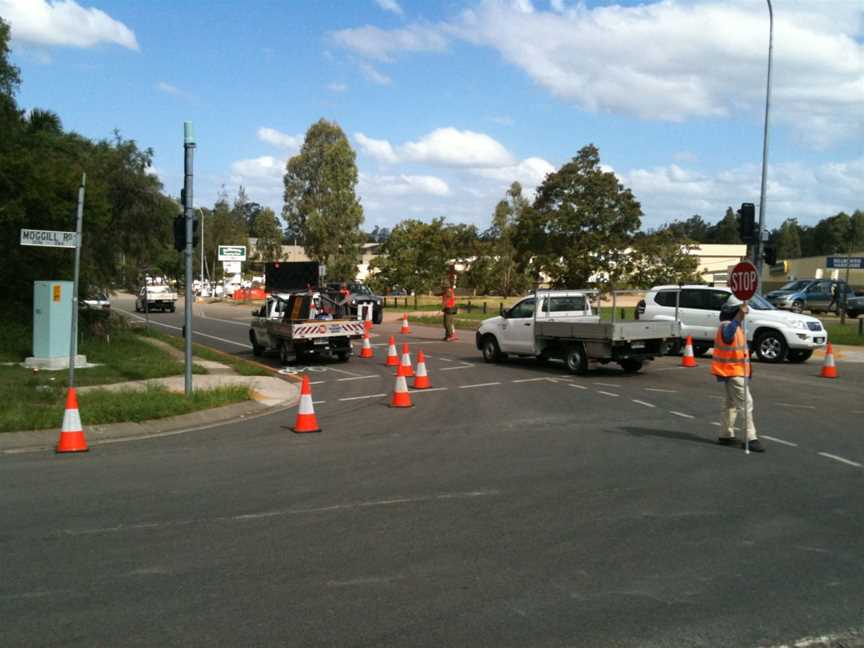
(774, 335)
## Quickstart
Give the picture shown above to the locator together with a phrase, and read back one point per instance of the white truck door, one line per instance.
(517, 330)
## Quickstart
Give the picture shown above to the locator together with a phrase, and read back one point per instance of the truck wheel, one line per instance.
(771, 347)
(491, 351)
(378, 316)
(343, 356)
(257, 349)
(629, 365)
(284, 356)
(797, 306)
(576, 360)
(799, 355)
(172, 308)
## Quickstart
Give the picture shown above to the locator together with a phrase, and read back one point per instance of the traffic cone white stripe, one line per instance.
(71, 420)
(306, 405)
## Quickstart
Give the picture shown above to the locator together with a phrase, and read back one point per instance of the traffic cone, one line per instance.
(366, 351)
(71, 435)
(688, 359)
(306, 421)
(405, 368)
(405, 328)
(401, 397)
(367, 325)
(392, 356)
(421, 380)
(829, 370)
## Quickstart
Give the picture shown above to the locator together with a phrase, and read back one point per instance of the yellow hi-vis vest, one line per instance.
(730, 360)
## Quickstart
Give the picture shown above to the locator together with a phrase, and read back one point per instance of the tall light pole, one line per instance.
(759, 243)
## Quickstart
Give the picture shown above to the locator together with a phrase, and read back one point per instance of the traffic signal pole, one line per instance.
(757, 254)
(189, 213)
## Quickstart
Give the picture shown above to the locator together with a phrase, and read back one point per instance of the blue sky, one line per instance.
(447, 103)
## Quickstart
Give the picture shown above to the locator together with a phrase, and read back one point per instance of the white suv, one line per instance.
(775, 335)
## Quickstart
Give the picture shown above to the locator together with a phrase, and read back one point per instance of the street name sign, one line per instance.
(232, 252)
(48, 238)
(744, 280)
(853, 263)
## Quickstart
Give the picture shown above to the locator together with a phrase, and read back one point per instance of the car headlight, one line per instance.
(353, 302)
(798, 324)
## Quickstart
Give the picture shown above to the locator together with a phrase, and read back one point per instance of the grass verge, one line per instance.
(242, 367)
(844, 334)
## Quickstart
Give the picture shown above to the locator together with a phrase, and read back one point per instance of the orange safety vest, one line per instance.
(448, 299)
(730, 360)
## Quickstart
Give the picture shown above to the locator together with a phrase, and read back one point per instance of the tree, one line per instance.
(725, 230)
(227, 227)
(501, 273)
(268, 234)
(321, 207)
(414, 257)
(693, 229)
(788, 240)
(585, 223)
(663, 257)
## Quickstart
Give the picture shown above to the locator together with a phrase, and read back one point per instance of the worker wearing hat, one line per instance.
(731, 364)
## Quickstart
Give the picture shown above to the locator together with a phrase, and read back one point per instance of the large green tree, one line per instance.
(663, 257)
(501, 269)
(415, 256)
(585, 220)
(321, 207)
(268, 234)
(725, 230)
(787, 240)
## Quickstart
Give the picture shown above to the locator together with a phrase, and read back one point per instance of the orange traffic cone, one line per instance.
(367, 325)
(392, 356)
(71, 435)
(366, 351)
(401, 397)
(829, 370)
(405, 328)
(688, 359)
(405, 368)
(421, 380)
(306, 421)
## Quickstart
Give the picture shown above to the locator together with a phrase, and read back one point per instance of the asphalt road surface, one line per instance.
(513, 505)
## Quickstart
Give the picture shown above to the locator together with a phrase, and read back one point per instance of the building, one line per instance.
(716, 259)
(811, 268)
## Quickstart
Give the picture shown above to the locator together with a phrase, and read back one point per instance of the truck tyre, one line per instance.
(630, 365)
(378, 316)
(576, 360)
(343, 356)
(491, 350)
(797, 306)
(799, 355)
(771, 347)
(284, 355)
(257, 349)
(172, 308)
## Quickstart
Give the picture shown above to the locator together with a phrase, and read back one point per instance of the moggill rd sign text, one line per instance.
(48, 238)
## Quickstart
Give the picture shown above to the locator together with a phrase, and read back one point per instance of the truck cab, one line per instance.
(514, 330)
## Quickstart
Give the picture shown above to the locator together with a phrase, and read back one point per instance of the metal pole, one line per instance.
(73, 342)
(758, 246)
(189, 150)
(746, 382)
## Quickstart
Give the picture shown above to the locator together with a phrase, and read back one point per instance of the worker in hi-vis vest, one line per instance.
(731, 364)
(448, 307)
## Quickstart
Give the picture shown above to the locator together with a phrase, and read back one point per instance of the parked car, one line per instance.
(97, 300)
(359, 294)
(815, 295)
(855, 306)
(775, 335)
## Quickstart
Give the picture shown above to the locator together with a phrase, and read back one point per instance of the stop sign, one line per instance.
(744, 280)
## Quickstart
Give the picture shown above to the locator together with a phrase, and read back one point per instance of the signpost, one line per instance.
(744, 282)
(850, 263)
(232, 253)
(49, 238)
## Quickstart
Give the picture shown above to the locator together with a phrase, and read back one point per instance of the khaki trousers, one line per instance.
(449, 324)
(735, 403)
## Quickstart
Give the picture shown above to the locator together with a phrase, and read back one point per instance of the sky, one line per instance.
(447, 103)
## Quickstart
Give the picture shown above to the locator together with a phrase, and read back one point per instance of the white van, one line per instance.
(775, 335)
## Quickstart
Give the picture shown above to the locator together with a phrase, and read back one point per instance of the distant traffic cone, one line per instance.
(405, 368)
(71, 435)
(306, 421)
(405, 328)
(401, 397)
(829, 370)
(688, 359)
(366, 351)
(392, 356)
(421, 380)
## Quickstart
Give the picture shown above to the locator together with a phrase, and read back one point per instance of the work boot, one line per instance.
(756, 446)
(727, 441)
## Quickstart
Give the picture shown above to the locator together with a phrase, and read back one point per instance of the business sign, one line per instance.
(744, 280)
(48, 238)
(232, 252)
(231, 267)
(853, 263)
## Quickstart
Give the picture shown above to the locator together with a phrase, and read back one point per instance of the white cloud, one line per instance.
(402, 185)
(262, 179)
(530, 172)
(167, 88)
(380, 150)
(442, 147)
(372, 74)
(280, 139)
(64, 23)
(379, 44)
(337, 87)
(390, 5)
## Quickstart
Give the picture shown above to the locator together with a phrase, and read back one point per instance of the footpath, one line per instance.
(269, 394)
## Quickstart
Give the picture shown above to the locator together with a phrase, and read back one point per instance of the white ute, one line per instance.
(565, 328)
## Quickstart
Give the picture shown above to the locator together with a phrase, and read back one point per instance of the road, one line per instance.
(514, 505)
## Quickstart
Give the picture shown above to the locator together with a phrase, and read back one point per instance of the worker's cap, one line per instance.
(730, 308)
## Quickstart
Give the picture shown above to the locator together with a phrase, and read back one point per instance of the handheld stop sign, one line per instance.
(744, 280)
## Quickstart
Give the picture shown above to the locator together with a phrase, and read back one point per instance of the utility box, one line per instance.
(52, 325)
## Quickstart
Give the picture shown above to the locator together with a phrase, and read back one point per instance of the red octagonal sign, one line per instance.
(744, 280)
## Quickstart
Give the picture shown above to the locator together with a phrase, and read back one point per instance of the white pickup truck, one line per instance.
(291, 325)
(156, 297)
(564, 327)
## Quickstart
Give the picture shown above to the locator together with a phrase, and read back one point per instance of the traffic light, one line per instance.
(747, 223)
(180, 233)
(770, 255)
(196, 232)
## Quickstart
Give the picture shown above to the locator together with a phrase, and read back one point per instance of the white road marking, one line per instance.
(318, 402)
(834, 639)
(605, 393)
(358, 377)
(662, 391)
(447, 359)
(718, 424)
(317, 382)
(489, 384)
(642, 403)
(459, 367)
(180, 328)
(526, 380)
(840, 459)
(428, 389)
(576, 386)
(343, 371)
(795, 405)
(352, 398)
(605, 384)
(781, 441)
(681, 414)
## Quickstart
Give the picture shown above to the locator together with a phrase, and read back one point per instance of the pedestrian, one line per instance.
(448, 307)
(731, 364)
(835, 292)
